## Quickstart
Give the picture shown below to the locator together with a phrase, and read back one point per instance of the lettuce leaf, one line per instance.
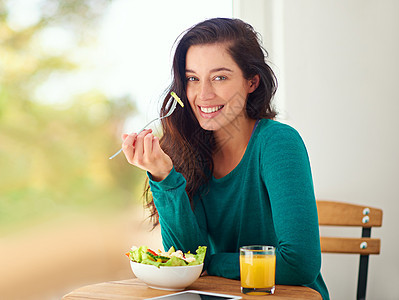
(175, 261)
(199, 257)
(138, 254)
(171, 250)
(148, 261)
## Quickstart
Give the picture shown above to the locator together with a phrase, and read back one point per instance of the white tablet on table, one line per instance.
(197, 295)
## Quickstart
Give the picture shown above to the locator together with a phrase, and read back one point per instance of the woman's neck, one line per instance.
(231, 143)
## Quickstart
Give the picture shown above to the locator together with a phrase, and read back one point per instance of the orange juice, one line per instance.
(257, 271)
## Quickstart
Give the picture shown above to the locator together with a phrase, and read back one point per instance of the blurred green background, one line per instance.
(54, 156)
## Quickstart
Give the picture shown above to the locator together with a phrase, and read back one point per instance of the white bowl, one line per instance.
(166, 278)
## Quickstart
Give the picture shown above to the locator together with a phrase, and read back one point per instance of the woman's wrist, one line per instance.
(160, 176)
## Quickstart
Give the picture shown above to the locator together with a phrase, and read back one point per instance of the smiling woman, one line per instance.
(225, 174)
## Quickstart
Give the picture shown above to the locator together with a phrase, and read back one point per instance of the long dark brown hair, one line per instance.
(189, 146)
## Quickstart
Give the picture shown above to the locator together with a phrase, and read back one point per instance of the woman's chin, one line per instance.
(210, 126)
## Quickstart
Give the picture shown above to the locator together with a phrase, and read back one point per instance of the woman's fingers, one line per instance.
(139, 148)
(128, 146)
(148, 147)
(156, 148)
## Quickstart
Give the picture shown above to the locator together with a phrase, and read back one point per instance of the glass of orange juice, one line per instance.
(257, 270)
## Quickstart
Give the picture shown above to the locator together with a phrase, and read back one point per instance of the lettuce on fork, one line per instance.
(171, 258)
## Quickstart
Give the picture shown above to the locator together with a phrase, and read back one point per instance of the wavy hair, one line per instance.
(189, 146)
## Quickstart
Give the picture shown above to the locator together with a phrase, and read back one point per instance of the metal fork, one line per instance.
(171, 110)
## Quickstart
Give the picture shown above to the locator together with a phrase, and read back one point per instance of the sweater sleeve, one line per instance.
(286, 171)
(180, 227)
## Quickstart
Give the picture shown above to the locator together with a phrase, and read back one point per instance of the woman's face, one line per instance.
(216, 88)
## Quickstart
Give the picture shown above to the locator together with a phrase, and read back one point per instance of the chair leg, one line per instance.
(363, 270)
(362, 279)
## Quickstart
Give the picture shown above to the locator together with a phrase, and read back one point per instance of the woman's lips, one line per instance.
(208, 112)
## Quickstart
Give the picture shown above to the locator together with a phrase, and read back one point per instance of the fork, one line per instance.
(171, 110)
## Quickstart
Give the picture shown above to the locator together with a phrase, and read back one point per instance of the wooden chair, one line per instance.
(344, 214)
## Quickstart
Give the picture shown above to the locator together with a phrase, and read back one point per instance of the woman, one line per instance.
(224, 174)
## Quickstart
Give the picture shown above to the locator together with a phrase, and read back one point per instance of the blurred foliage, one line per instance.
(54, 158)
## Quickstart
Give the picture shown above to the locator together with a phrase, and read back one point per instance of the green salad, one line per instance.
(145, 255)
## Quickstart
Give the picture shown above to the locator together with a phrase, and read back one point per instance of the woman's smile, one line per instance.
(208, 112)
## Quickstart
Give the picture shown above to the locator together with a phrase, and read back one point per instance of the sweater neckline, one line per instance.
(244, 157)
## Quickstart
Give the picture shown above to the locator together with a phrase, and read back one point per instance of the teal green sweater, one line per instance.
(268, 199)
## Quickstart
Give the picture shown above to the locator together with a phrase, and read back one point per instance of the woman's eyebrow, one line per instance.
(221, 69)
(213, 70)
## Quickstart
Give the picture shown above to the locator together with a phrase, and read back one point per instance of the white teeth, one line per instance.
(209, 110)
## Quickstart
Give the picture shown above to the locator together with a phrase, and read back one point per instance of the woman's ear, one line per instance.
(254, 83)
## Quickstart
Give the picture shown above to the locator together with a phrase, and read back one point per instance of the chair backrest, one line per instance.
(333, 213)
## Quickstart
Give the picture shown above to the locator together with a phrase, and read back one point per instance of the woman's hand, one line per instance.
(143, 151)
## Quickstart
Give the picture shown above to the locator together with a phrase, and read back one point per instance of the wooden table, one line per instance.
(136, 289)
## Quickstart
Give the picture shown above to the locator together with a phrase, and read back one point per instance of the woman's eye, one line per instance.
(220, 78)
(191, 78)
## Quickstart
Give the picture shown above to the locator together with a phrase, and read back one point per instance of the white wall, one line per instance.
(338, 67)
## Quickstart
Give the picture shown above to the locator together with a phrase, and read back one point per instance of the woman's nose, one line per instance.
(206, 91)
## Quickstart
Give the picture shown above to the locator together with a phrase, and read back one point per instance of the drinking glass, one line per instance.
(257, 270)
